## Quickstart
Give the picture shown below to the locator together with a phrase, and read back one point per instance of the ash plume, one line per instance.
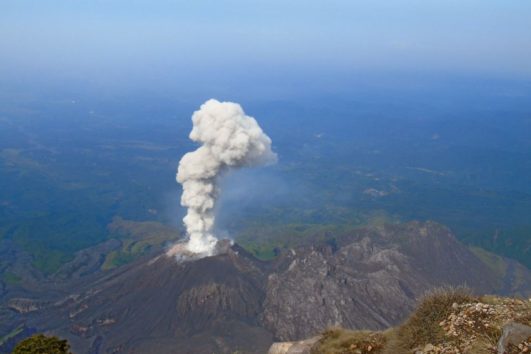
(229, 140)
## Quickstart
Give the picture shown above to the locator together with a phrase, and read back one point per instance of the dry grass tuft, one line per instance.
(423, 325)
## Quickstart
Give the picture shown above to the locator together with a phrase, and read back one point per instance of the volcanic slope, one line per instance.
(161, 306)
(233, 302)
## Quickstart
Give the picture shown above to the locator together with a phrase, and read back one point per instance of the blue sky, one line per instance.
(156, 41)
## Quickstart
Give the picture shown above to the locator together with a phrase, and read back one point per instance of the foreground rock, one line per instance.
(515, 335)
(299, 347)
(471, 325)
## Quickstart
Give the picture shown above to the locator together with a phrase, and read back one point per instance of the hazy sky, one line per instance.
(161, 40)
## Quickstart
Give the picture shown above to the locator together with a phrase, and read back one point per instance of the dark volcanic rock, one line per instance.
(370, 281)
(232, 301)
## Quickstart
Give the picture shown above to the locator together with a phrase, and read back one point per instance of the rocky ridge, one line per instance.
(376, 274)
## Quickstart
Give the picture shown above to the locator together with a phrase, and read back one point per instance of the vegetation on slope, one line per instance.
(138, 238)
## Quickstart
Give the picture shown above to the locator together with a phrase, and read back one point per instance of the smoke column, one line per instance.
(229, 140)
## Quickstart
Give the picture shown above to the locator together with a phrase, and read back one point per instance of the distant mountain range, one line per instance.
(368, 279)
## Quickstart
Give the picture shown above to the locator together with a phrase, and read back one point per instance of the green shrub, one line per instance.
(41, 344)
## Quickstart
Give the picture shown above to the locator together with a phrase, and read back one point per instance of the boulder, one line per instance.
(513, 333)
(300, 347)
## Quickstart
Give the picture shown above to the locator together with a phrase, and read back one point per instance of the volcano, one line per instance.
(158, 305)
(369, 279)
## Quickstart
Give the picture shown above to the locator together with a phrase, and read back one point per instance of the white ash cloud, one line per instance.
(229, 140)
